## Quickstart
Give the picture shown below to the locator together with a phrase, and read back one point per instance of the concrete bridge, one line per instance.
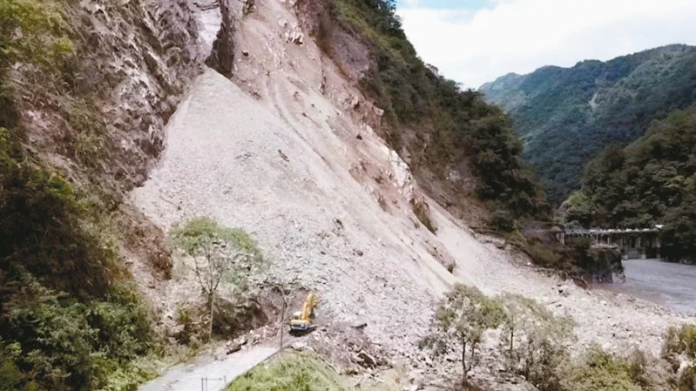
(632, 243)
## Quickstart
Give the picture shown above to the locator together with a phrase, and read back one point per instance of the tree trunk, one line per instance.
(212, 315)
(282, 318)
(465, 381)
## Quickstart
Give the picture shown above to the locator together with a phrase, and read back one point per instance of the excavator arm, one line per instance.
(303, 322)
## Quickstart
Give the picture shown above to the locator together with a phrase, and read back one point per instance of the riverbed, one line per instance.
(670, 284)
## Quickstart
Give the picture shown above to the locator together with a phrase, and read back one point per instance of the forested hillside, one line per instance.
(651, 181)
(445, 132)
(566, 116)
(71, 317)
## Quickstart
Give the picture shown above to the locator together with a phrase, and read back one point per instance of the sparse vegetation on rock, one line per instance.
(219, 254)
(438, 123)
(537, 345)
(461, 319)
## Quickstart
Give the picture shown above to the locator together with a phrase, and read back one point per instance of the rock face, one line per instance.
(222, 55)
(606, 266)
(135, 60)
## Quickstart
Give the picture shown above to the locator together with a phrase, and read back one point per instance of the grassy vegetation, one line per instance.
(291, 371)
(552, 111)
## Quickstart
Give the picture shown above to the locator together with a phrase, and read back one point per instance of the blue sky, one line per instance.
(476, 41)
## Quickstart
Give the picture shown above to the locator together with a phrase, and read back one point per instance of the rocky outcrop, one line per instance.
(605, 266)
(222, 56)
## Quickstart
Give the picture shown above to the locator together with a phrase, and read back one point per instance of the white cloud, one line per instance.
(474, 47)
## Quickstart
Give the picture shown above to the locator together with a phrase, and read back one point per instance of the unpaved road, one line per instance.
(187, 377)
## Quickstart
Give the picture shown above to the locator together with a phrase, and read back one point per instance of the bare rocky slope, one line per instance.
(264, 132)
(286, 150)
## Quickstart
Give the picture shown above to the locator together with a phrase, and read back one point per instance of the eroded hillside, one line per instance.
(287, 151)
(278, 135)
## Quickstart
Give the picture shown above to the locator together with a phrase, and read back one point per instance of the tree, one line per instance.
(533, 339)
(218, 253)
(461, 319)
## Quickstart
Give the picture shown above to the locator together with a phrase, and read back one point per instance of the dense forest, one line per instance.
(651, 181)
(439, 125)
(566, 116)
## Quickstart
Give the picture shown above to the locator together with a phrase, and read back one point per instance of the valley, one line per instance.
(176, 176)
(566, 116)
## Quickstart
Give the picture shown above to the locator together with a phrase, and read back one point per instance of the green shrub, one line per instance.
(534, 340)
(33, 31)
(460, 321)
(687, 380)
(219, 254)
(502, 220)
(545, 256)
(66, 321)
(600, 371)
(69, 345)
(41, 229)
(297, 372)
(680, 342)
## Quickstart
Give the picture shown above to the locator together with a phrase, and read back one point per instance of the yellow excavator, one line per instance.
(302, 320)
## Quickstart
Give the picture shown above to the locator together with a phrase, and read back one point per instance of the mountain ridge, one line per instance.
(567, 115)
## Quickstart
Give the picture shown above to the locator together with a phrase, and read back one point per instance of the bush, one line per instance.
(65, 344)
(533, 340)
(297, 372)
(547, 256)
(680, 343)
(66, 321)
(34, 31)
(502, 220)
(600, 371)
(219, 254)
(460, 321)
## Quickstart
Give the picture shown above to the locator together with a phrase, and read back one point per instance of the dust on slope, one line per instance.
(331, 210)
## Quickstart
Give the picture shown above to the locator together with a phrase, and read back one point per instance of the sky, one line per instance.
(477, 41)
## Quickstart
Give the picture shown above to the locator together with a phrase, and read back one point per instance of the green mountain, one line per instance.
(651, 181)
(566, 116)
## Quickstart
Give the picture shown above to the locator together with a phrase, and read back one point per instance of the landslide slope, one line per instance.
(286, 149)
(567, 115)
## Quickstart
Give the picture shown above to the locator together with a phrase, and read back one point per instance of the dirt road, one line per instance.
(188, 377)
